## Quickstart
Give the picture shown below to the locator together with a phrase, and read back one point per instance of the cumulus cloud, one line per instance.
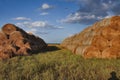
(21, 18)
(44, 13)
(36, 31)
(46, 6)
(38, 27)
(38, 24)
(80, 18)
(93, 10)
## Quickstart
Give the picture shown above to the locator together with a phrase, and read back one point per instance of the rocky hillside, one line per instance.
(14, 41)
(101, 40)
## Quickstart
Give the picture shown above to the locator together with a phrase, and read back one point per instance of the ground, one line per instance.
(58, 64)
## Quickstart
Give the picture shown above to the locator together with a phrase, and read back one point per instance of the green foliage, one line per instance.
(57, 65)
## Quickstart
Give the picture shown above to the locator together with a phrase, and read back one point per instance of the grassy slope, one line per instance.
(57, 65)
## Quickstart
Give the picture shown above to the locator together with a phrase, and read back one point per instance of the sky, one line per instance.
(55, 20)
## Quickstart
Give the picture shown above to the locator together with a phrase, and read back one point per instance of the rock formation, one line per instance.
(101, 40)
(15, 41)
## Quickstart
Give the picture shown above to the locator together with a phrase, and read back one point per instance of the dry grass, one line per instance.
(58, 65)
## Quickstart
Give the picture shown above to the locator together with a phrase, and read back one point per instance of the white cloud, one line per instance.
(46, 6)
(38, 24)
(37, 27)
(36, 31)
(44, 13)
(33, 31)
(77, 18)
(21, 18)
(105, 5)
(91, 11)
(33, 24)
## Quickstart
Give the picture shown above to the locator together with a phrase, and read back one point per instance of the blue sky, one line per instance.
(54, 20)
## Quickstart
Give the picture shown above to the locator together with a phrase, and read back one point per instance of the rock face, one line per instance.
(14, 42)
(101, 40)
